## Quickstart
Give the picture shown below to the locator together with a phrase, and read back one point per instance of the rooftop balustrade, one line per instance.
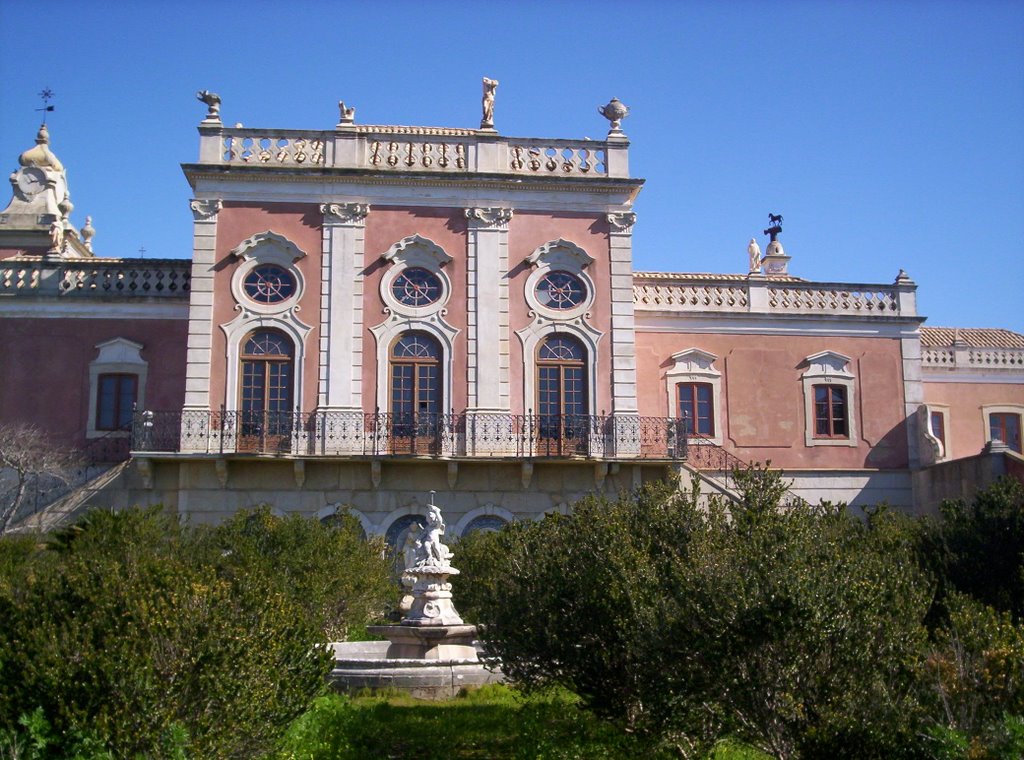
(85, 278)
(764, 295)
(414, 149)
(974, 358)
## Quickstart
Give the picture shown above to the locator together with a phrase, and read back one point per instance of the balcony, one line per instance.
(470, 435)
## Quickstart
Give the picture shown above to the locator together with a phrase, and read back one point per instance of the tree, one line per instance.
(30, 464)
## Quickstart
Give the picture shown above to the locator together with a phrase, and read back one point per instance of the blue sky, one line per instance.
(889, 134)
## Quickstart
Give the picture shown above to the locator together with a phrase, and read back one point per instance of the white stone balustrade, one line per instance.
(742, 295)
(167, 278)
(414, 149)
(972, 358)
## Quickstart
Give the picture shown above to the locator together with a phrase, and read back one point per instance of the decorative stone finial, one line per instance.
(345, 115)
(66, 207)
(212, 101)
(754, 254)
(615, 111)
(87, 232)
(487, 119)
(41, 155)
(902, 277)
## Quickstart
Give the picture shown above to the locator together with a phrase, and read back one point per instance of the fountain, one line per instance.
(432, 652)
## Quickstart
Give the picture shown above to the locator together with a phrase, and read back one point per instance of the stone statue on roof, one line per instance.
(487, 120)
(754, 251)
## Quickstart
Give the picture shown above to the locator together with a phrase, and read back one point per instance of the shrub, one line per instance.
(795, 629)
(120, 632)
(338, 578)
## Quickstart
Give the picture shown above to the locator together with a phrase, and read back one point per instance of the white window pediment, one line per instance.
(115, 356)
(417, 250)
(560, 254)
(269, 247)
(694, 361)
(119, 351)
(828, 364)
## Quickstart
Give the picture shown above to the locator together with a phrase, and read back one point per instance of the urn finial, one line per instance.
(615, 111)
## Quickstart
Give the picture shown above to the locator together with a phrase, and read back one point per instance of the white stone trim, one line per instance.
(940, 451)
(200, 310)
(415, 251)
(488, 510)
(829, 368)
(269, 248)
(559, 256)
(620, 253)
(487, 301)
(236, 331)
(694, 365)
(343, 249)
(116, 356)
(390, 329)
(531, 337)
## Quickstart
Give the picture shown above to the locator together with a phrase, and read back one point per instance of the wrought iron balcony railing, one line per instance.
(469, 434)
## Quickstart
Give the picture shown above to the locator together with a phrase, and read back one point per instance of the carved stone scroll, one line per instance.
(202, 210)
(622, 221)
(489, 217)
(344, 213)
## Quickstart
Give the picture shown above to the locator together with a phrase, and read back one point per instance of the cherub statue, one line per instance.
(432, 552)
(212, 101)
(346, 115)
(487, 121)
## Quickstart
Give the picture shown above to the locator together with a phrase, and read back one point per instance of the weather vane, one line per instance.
(46, 95)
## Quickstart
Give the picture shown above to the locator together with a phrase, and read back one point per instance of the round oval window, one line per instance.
(416, 286)
(269, 283)
(561, 290)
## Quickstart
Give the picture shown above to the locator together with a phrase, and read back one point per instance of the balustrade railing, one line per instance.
(413, 149)
(167, 278)
(467, 434)
(972, 358)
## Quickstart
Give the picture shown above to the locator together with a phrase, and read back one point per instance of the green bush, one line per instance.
(795, 629)
(138, 636)
(978, 548)
(336, 576)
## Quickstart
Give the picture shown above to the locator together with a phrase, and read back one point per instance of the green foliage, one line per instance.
(795, 629)
(973, 679)
(493, 722)
(337, 577)
(134, 635)
(978, 548)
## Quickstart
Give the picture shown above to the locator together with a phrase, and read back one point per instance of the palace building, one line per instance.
(372, 313)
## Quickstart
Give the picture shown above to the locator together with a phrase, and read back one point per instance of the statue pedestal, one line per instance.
(428, 642)
(432, 597)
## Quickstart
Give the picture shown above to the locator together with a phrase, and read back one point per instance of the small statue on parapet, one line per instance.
(345, 115)
(754, 252)
(487, 120)
(212, 101)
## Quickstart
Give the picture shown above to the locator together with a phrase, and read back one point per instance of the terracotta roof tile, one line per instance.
(975, 337)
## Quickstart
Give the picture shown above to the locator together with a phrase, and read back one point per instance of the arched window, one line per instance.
(416, 397)
(267, 391)
(562, 391)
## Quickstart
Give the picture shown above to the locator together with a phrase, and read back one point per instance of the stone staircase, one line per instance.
(70, 505)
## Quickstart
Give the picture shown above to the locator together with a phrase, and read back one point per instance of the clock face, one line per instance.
(31, 181)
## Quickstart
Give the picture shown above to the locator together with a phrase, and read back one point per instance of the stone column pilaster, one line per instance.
(624, 404)
(341, 307)
(200, 304)
(488, 328)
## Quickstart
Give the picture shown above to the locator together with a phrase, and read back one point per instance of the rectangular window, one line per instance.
(695, 408)
(115, 401)
(938, 425)
(830, 412)
(1005, 427)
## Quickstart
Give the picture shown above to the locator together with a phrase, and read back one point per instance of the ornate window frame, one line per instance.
(267, 248)
(531, 337)
(559, 256)
(414, 251)
(695, 365)
(411, 252)
(118, 356)
(829, 368)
